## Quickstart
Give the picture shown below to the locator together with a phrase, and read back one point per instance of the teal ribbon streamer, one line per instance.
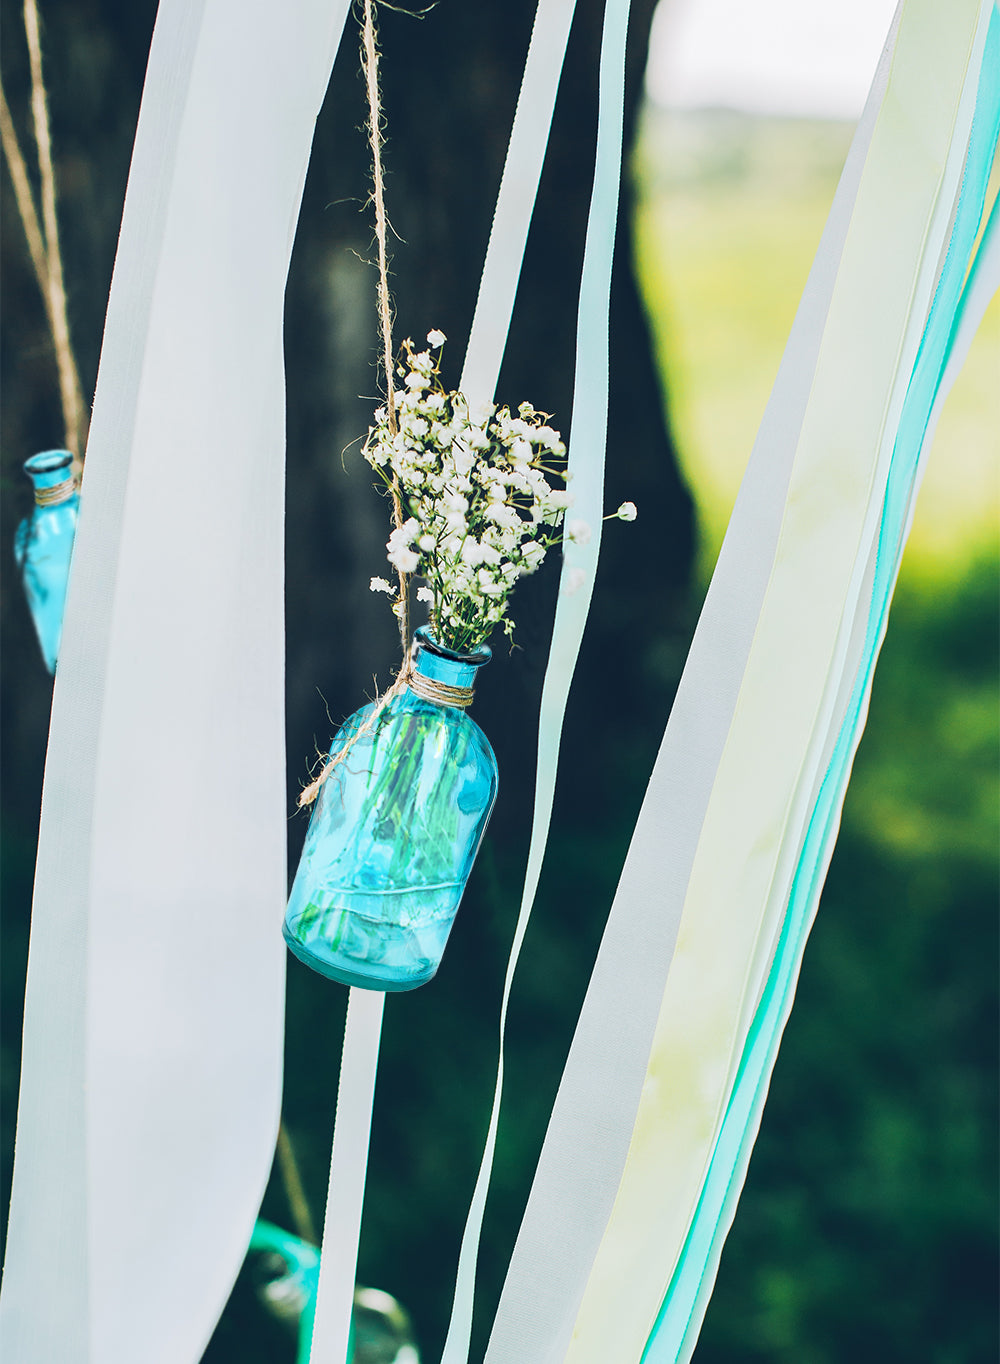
(674, 1334)
(301, 1277)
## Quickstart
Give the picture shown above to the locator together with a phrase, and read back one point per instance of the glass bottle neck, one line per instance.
(438, 671)
(51, 472)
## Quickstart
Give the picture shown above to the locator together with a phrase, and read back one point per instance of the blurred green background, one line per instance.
(867, 1230)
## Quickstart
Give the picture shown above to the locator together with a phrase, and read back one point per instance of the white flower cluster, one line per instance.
(479, 504)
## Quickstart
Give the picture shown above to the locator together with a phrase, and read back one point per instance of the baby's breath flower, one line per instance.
(549, 440)
(626, 512)
(406, 560)
(559, 501)
(578, 532)
(483, 495)
(532, 554)
(380, 585)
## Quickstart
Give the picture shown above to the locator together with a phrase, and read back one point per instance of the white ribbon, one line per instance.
(587, 1141)
(588, 434)
(483, 357)
(348, 1165)
(522, 171)
(152, 1045)
(763, 789)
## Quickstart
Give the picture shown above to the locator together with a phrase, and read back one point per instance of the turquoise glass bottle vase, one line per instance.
(395, 829)
(43, 545)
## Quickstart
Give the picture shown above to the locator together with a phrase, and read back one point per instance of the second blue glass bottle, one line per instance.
(394, 831)
(43, 545)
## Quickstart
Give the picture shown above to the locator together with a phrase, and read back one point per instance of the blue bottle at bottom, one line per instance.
(43, 545)
(395, 830)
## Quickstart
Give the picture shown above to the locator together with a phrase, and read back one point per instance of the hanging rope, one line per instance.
(376, 118)
(428, 688)
(369, 65)
(25, 201)
(43, 236)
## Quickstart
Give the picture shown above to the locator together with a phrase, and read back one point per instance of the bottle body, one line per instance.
(43, 546)
(393, 836)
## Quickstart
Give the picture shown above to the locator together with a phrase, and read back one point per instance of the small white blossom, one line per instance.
(380, 585)
(425, 593)
(436, 338)
(559, 501)
(578, 532)
(626, 512)
(573, 580)
(532, 554)
(549, 440)
(404, 559)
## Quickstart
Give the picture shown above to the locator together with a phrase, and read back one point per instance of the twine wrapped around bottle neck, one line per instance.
(427, 688)
(58, 492)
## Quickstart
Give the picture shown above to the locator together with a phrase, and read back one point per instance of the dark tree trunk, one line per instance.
(450, 82)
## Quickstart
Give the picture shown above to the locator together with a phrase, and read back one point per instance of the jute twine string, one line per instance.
(427, 688)
(369, 65)
(430, 689)
(25, 201)
(43, 235)
(58, 492)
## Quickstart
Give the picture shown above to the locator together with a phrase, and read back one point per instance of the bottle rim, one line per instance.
(475, 658)
(48, 461)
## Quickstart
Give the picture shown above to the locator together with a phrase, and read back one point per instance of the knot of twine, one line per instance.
(427, 688)
(58, 492)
